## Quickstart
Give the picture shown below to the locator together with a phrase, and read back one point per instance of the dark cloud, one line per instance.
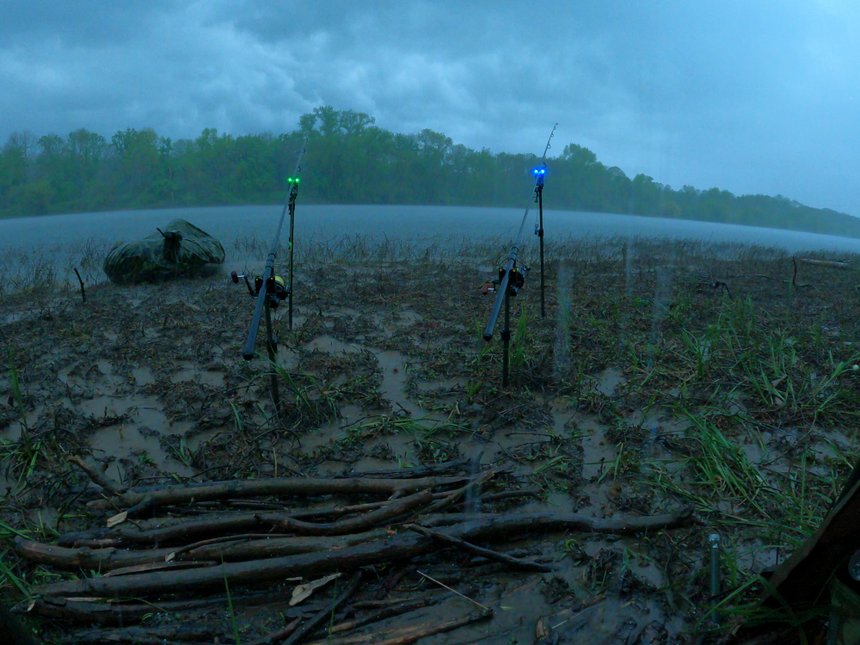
(751, 97)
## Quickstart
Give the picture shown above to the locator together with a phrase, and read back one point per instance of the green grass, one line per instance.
(17, 396)
(234, 624)
(307, 400)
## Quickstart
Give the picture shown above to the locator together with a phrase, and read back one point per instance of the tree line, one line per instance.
(350, 160)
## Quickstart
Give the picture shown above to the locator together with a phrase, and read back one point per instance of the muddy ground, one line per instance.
(664, 377)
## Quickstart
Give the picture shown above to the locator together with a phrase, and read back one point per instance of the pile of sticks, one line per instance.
(187, 548)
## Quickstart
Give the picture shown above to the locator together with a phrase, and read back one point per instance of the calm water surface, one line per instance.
(415, 223)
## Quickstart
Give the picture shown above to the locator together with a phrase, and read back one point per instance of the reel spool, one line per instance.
(276, 289)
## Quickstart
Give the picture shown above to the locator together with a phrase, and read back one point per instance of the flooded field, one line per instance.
(714, 388)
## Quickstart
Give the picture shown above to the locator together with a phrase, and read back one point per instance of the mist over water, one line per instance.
(415, 223)
(58, 243)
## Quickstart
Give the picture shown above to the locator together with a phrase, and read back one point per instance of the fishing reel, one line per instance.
(276, 287)
(516, 282)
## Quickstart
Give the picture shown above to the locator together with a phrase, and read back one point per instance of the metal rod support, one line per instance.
(540, 235)
(506, 340)
(272, 348)
(292, 244)
(714, 544)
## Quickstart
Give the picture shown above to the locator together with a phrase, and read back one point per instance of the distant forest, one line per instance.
(350, 160)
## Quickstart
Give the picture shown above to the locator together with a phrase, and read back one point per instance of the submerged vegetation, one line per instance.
(668, 376)
(352, 161)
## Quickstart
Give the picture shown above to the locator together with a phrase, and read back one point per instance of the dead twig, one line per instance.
(483, 608)
(81, 281)
(97, 477)
(517, 563)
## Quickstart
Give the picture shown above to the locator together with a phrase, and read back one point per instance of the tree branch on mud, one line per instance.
(395, 548)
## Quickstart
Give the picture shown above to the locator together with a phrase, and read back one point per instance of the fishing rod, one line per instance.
(271, 289)
(511, 277)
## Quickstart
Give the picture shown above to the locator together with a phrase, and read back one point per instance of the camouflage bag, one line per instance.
(180, 250)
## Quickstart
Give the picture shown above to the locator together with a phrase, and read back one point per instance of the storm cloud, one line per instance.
(751, 97)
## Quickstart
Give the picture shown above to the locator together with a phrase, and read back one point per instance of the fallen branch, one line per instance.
(397, 547)
(224, 549)
(458, 494)
(493, 526)
(517, 563)
(271, 487)
(243, 573)
(94, 475)
(418, 471)
(85, 557)
(281, 522)
(278, 546)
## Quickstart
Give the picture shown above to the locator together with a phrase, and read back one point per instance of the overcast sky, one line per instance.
(753, 96)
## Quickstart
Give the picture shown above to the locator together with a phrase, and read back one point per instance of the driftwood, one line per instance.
(84, 557)
(281, 522)
(397, 547)
(485, 526)
(222, 549)
(271, 487)
(227, 549)
(243, 573)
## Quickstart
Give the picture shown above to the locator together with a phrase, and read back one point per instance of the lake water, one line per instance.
(395, 222)
(50, 235)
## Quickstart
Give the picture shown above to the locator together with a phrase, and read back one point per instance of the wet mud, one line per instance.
(616, 401)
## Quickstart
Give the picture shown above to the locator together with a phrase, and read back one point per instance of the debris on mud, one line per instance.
(151, 491)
